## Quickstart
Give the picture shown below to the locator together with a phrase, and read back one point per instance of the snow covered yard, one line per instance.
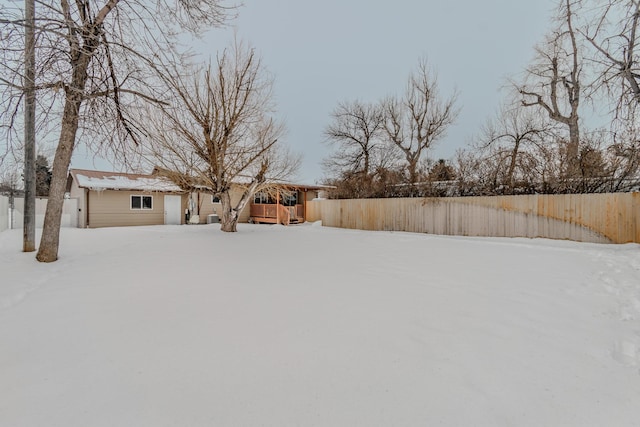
(312, 326)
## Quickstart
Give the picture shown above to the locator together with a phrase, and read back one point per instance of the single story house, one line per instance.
(286, 205)
(115, 199)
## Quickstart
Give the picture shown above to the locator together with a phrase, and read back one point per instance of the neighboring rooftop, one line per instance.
(99, 180)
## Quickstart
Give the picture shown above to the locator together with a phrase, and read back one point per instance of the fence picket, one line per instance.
(598, 218)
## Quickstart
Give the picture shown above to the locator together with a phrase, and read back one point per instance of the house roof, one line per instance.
(198, 184)
(100, 180)
(305, 186)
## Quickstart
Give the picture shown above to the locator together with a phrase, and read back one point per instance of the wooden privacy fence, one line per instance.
(597, 218)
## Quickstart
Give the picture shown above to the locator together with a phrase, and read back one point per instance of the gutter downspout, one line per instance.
(86, 222)
(304, 206)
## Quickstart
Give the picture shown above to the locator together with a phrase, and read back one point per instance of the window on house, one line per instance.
(290, 198)
(215, 199)
(261, 198)
(141, 202)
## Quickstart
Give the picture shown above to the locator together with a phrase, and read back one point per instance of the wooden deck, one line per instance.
(274, 213)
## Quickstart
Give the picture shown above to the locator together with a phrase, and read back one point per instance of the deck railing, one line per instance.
(264, 210)
(270, 211)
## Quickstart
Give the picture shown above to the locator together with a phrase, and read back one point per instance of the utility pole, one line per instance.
(29, 227)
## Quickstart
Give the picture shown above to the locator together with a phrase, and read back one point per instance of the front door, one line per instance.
(172, 210)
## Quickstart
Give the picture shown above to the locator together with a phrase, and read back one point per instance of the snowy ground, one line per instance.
(312, 326)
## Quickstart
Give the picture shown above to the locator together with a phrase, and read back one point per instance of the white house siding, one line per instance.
(69, 213)
(4, 213)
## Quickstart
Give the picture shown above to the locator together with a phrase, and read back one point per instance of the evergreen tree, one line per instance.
(43, 176)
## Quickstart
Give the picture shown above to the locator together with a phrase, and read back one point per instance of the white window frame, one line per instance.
(142, 207)
(293, 194)
(260, 198)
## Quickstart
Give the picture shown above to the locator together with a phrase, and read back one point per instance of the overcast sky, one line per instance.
(325, 52)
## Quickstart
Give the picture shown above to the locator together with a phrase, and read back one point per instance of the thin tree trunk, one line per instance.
(512, 164)
(366, 163)
(29, 226)
(573, 147)
(413, 176)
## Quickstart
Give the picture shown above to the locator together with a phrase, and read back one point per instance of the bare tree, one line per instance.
(623, 160)
(510, 138)
(11, 182)
(91, 67)
(217, 133)
(361, 155)
(355, 133)
(614, 33)
(420, 118)
(554, 81)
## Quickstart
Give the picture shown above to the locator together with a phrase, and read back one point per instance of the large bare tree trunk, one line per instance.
(231, 214)
(229, 217)
(412, 167)
(49, 242)
(573, 148)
